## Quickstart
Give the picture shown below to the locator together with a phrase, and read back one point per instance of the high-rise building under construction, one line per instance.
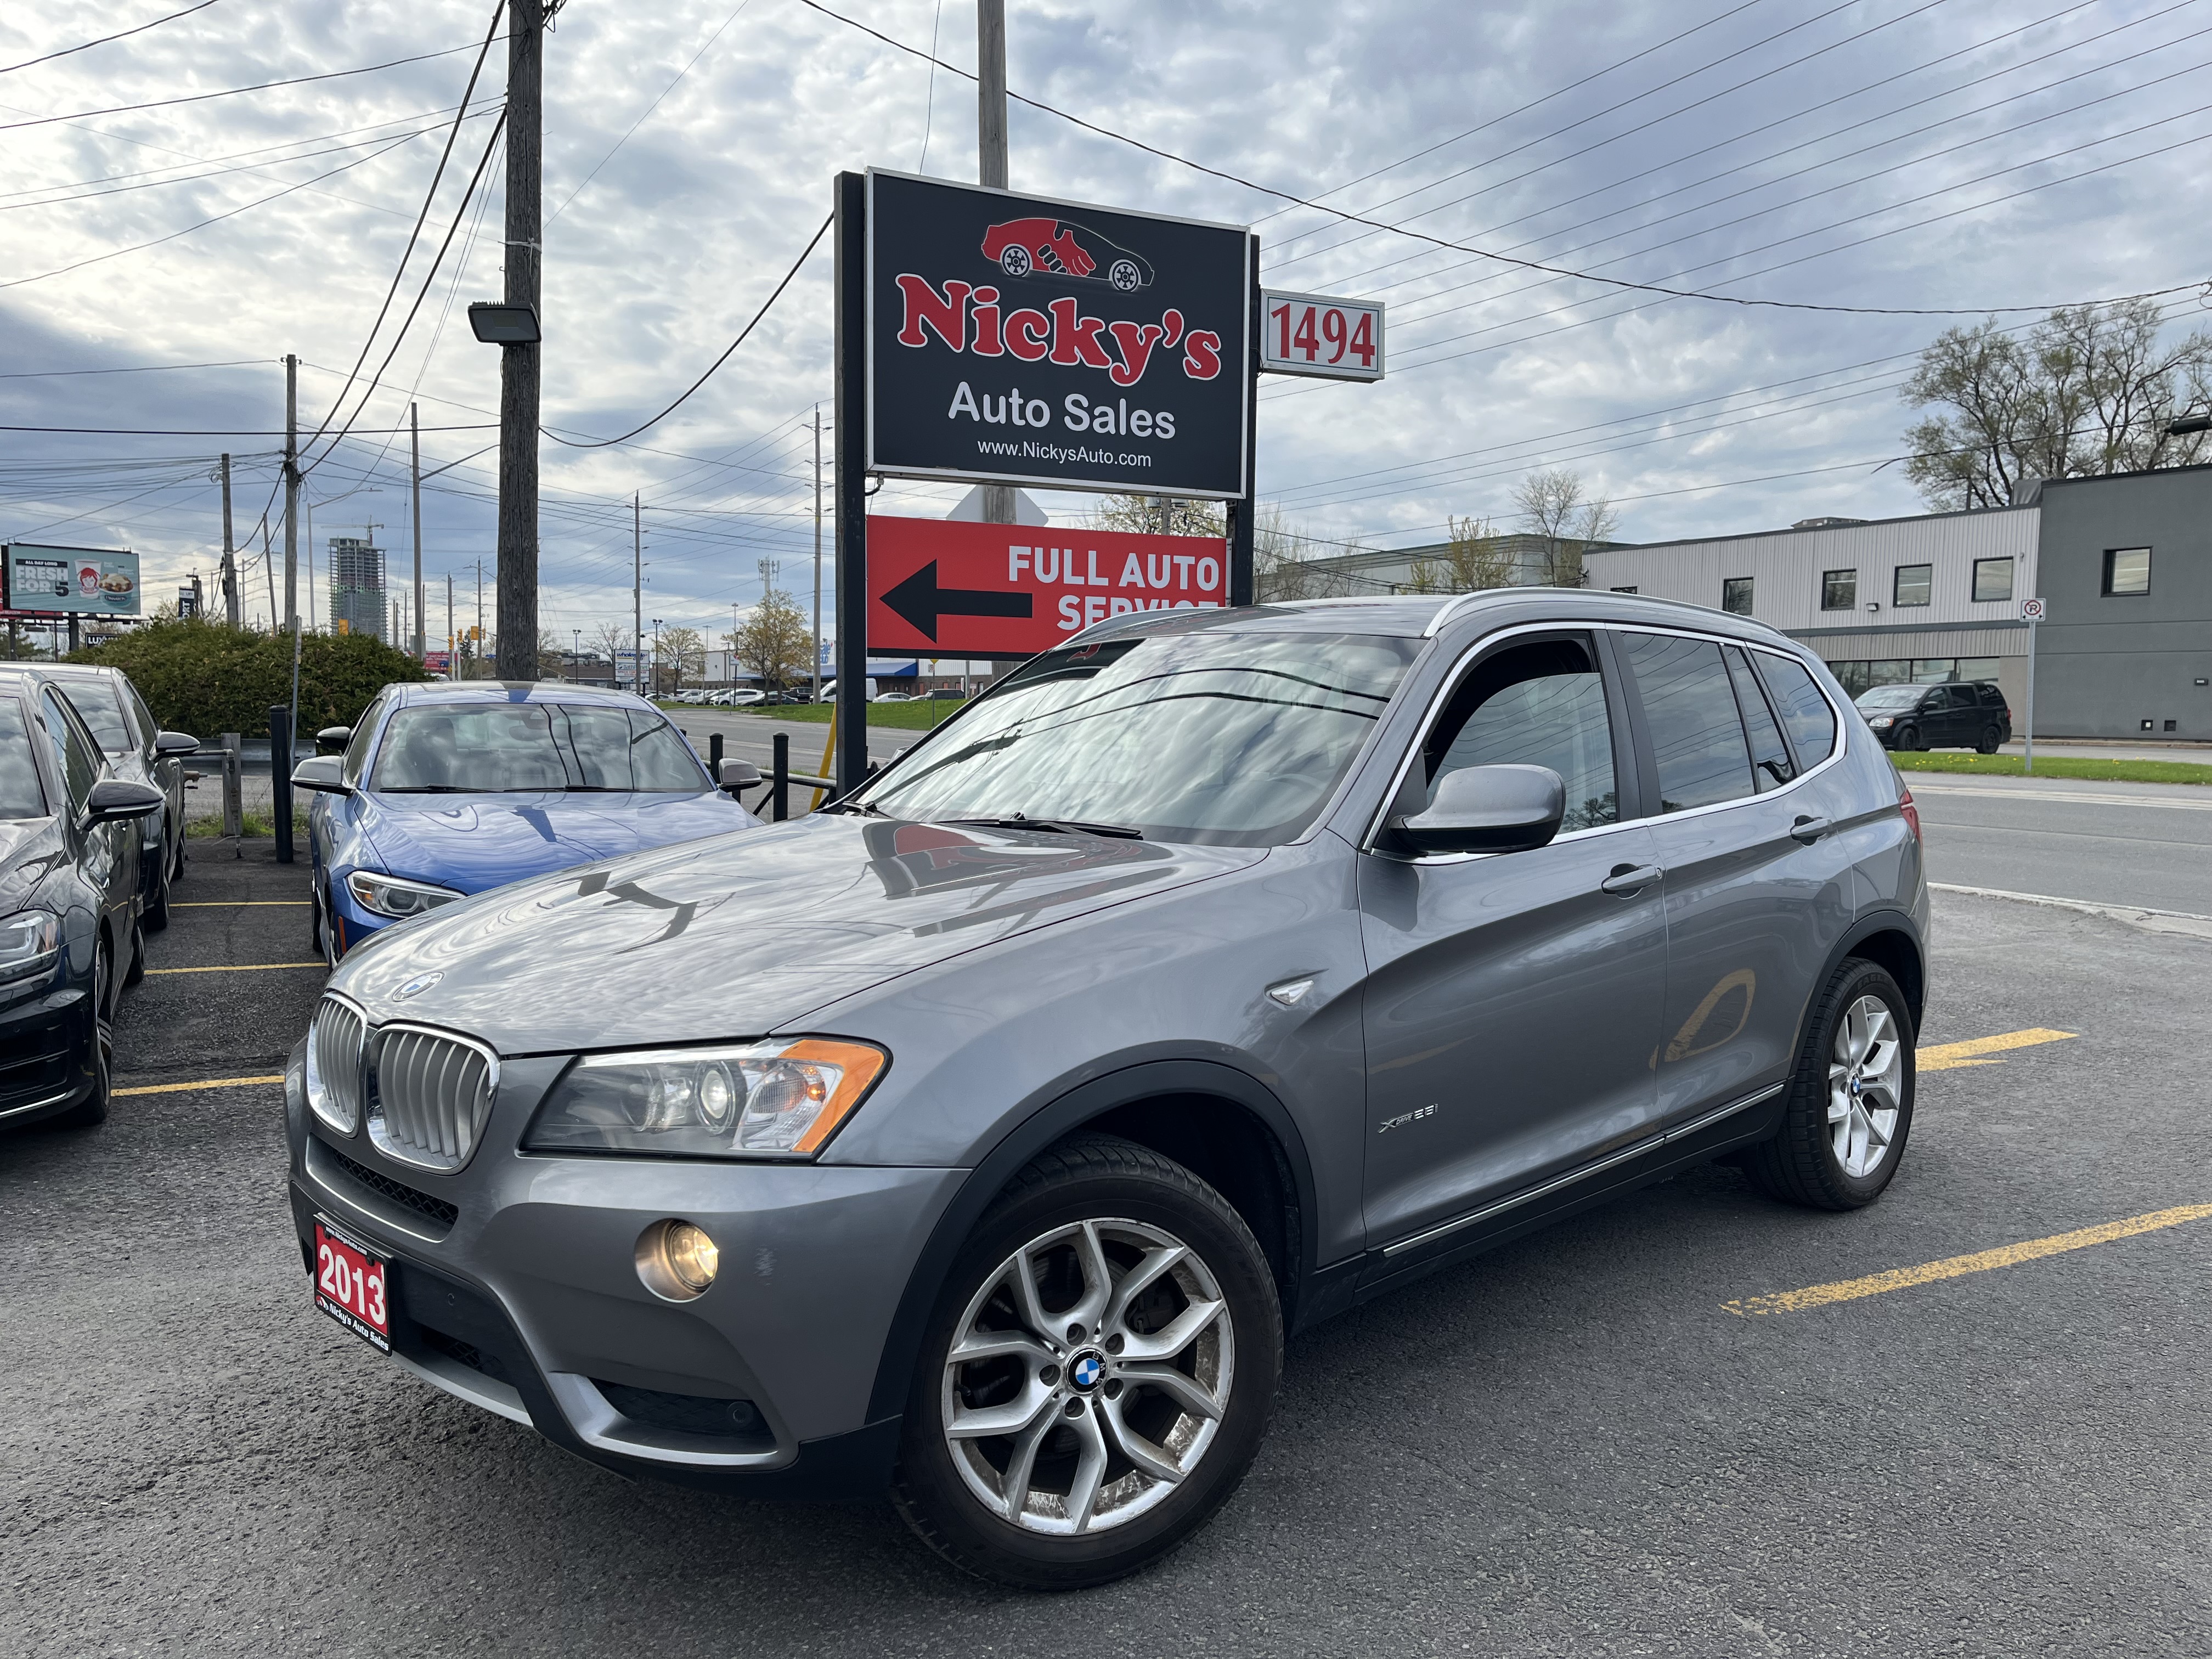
(357, 591)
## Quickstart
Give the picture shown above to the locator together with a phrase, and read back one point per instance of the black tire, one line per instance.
(137, 956)
(93, 1109)
(1992, 740)
(157, 902)
(1907, 738)
(315, 922)
(1801, 1164)
(1101, 1179)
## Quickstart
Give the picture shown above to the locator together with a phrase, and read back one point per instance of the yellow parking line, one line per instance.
(2005, 1256)
(204, 1082)
(1950, 1056)
(238, 968)
(238, 904)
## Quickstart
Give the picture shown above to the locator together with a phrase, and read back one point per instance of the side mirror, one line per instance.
(325, 773)
(1486, 809)
(736, 774)
(333, 736)
(112, 800)
(167, 743)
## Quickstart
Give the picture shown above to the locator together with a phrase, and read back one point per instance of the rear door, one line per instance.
(1758, 888)
(1513, 1001)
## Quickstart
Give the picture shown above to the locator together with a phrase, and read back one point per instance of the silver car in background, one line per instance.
(981, 1137)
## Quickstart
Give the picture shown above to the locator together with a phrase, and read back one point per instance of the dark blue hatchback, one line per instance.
(448, 790)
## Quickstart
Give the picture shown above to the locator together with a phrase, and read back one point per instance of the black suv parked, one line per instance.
(1964, 714)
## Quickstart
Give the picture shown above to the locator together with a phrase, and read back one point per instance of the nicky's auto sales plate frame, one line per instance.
(1024, 339)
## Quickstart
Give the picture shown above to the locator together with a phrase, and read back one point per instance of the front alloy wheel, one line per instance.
(1099, 1375)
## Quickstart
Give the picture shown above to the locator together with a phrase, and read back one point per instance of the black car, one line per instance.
(1962, 714)
(69, 901)
(138, 752)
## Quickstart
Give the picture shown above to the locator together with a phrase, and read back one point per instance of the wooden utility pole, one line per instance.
(991, 164)
(517, 567)
(817, 675)
(229, 557)
(415, 483)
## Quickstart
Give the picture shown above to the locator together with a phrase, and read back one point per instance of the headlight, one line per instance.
(395, 896)
(30, 945)
(778, 1098)
(1881, 720)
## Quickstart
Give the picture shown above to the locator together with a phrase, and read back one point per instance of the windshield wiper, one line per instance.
(1078, 826)
(425, 789)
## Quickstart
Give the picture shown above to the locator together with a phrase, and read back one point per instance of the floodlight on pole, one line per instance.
(495, 323)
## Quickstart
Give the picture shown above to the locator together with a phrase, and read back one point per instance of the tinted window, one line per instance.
(79, 763)
(1770, 764)
(1697, 736)
(2127, 570)
(1540, 704)
(96, 701)
(1915, 584)
(141, 717)
(1992, 579)
(1806, 715)
(1960, 696)
(364, 731)
(1181, 732)
(1735, 595)
(22, 795)
(1839, 590)
(509, 748)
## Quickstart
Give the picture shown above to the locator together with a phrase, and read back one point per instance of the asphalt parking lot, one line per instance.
(1695, 1422)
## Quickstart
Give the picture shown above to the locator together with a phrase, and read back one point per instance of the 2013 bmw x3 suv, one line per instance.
(981, 1136)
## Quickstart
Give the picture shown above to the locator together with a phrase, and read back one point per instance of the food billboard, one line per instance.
(95, 581)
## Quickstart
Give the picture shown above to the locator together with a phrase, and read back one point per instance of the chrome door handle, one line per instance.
(1809, 830)
(1631, 879)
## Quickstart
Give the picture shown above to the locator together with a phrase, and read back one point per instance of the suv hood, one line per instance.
(743, 934)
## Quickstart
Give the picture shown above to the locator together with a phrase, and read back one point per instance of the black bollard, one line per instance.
(780, 795)
(715, 755)
(280, 777)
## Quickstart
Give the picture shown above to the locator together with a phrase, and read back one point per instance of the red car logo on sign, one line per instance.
(1022, 247)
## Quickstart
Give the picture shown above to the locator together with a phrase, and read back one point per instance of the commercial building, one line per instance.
(2124, 564)
(358, 589)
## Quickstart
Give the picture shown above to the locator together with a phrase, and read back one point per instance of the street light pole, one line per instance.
(817, 553)
(517, 570)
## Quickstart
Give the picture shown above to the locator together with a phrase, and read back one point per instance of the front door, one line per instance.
(1513, 1001)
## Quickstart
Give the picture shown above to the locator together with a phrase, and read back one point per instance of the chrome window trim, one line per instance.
(1369, 837)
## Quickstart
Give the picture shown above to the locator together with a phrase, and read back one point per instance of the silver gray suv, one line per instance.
(981, 1137)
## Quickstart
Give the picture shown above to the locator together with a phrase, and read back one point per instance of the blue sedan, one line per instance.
(447, 790)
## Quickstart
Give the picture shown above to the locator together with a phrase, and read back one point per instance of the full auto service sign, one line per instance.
(1017, 339)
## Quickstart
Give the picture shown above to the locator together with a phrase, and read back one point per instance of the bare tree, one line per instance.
(1155, 515)
(682, 654)
(2088, 391)
(1289, 562)
(1565, 522)
(1476, 558)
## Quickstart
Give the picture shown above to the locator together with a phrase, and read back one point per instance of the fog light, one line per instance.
(677, 1260)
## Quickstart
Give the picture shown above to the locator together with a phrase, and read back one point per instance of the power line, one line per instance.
(1460, 247)
(230, 92)
(125, 34)
(601, 443)
(137, 368)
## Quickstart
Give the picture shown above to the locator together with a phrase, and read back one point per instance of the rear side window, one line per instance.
(96, 701)
(1806, 715)
(22, 795)
(1770, 764)
(1540, 704)
(1697, 735)
(78, 763)
(135, 706)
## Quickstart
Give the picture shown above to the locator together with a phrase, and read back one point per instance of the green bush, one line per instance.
(206, 679)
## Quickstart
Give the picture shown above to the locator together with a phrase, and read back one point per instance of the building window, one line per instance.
(1735, 595)
(1624, 590)
(1992, 579)
(2127, 570)
(1839, 590)
(1914, 585)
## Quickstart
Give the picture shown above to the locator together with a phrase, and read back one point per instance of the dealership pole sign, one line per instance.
(1024, 340)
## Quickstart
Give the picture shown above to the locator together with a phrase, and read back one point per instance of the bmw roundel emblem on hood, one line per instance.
(420, 983)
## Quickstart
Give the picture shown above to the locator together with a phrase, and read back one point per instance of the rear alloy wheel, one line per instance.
(1992, 740)
(1099, 1375)
(1849, 1105)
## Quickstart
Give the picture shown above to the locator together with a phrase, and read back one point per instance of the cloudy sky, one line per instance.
(1944, 155)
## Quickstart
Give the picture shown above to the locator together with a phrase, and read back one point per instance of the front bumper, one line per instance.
(47, 1060)
(516, 1288)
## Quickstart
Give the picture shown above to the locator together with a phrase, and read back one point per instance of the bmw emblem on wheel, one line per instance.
(1086, 1371)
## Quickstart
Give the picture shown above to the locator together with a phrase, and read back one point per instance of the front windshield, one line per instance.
(96, 703)
(1236, 738)
(1892, 696)
(518, 747)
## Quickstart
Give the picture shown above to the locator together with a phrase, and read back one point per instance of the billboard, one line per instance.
(100, 581)
(1021, 339)
(949, 588)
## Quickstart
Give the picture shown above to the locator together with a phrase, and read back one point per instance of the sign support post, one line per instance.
(1243, 514)
(850, 239)
(2032, 611)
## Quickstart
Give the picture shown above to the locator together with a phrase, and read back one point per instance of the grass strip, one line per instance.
(890, 716)
(2057, 766)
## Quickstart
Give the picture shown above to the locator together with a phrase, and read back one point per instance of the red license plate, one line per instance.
(349, 1286)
